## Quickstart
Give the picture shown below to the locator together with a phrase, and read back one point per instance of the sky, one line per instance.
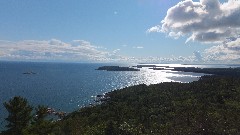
(146, 31)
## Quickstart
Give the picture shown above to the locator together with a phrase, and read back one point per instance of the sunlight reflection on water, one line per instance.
(147, 76)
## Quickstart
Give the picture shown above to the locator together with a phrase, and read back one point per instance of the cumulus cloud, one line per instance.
(154, 29)
(138, 47)
(228, 51)
(204, 21)
(77, 50)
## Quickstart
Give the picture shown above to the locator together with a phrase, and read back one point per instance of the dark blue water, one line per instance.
(59, 85)
(67, 87)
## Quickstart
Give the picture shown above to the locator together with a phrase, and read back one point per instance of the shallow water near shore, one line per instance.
(69, 86)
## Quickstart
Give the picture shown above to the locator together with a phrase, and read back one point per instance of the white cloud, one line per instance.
(154, 29)
(77, 50)
(205, 21)
(138, 47)
(81, 50)
(116, 51)
(154, 59)
(227, 52)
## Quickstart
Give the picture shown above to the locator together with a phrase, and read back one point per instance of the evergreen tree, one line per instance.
(19, 115)
(41, 113)
(40, 126)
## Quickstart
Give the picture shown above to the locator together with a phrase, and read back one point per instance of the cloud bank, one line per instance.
(84, 51)
(75, 51)
(207, 21)
(54, 50)
(228, 51)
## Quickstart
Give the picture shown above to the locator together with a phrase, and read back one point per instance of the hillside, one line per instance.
(208, 106)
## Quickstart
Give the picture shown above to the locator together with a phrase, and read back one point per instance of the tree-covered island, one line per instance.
(209, 106)
(117, 68)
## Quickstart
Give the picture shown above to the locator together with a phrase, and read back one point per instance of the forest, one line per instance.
(210, 105)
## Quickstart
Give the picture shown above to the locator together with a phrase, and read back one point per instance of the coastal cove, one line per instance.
(69, 86)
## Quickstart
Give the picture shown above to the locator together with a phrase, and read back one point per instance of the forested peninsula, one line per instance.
(210, 105)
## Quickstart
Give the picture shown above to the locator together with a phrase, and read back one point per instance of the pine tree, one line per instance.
(41, 113)
(19, 115)
(40, 124)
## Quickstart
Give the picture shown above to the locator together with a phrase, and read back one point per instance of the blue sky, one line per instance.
(116, 31)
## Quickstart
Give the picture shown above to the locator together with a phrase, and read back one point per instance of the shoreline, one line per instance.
(170, 84)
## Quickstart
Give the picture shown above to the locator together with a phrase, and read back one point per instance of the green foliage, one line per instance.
(21, 121)
(40, 126)
(41, 113)
(19, 115)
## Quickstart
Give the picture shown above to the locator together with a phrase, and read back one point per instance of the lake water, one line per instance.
(67, 87)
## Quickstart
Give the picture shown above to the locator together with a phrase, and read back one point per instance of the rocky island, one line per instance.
(29, 73)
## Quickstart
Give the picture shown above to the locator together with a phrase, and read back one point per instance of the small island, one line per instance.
(29, 73)
(117, 68)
